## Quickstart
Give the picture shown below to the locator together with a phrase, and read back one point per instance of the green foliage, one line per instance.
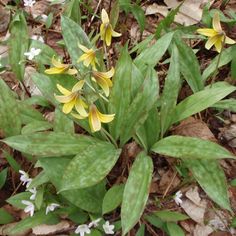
(5, 217)
(170, 216)
(3, 177)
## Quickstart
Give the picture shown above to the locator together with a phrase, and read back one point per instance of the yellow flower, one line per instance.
(96, 118)
(72, 99)
(103, 79)
(60, 68)
(89, 56)
(216, 35)
(106, 31)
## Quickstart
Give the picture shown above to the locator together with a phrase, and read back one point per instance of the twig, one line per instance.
(95, 12)
(169, 185)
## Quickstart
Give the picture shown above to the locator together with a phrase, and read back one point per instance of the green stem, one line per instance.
(109, 137)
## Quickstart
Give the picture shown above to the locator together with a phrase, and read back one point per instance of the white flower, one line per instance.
(108, 229)
(29, 182)
(32, 53)
(29, 207)
(82, 230)
(24, 177)
(177, 198)
(34, 192)
(51, 207)
(44, 17)
(94, 223)
(37, 37)
(29, 3)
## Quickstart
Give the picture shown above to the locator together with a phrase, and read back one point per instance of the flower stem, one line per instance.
(109, 137)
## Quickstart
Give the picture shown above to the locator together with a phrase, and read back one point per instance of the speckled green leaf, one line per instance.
(36, 126)
(52, 143)
(89, 166)
(136, 192)
(174, 229)
(15, 200)
(62, 123)
(9, 113)
(152, 55)
(201, 100)
(18, 44)
(212, 179)
(190, 148)
(171, 216)
(171, 91)
(72, 11)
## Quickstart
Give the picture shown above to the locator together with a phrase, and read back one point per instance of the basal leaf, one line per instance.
(36, 126)
(190, 148)
(171, 216)
(72, 11)
(139, 15)
(136, 192)
(5, 217)
(174, 229)
(226, 104)
(62, 123)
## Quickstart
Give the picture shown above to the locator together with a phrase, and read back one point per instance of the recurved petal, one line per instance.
(104, 118)
(94, 121)
(102, 32)
(71, 71)
(216, 22)
(67, 107)
(64, 99)
(80, 108)
(77, 116)
(211, 41)
(108, 36)
(102, 82)
(63, 90)
(228, 40)
(207, 32)
(55, 70)
(57, 63)
(109, 73)
(115, 34)
(105, 18)
(78, 86)
(218, 45)
(83, 48)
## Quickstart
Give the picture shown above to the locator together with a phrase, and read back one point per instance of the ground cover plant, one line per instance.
(104, 131)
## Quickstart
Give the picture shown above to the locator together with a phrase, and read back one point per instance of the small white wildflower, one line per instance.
(29, 3)
(177, 198)
(82, 230)
(34, 192)
(44, 17)
(24, 178)
(38, 38)
(51, 207)
(29, 207)
(29, 182)
(108, 229)
(32, 53)
(94, 223)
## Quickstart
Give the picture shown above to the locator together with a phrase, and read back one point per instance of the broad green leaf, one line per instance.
(37, 100)
(38, 219)
(48, 144)
(89, 166)
(113, 198)
(174, 229)
(36, 126)
(139, 15)
(226, 57)
(121, 92)
(125, 5)
(114, 15)
(170, 92)
(9, 113)
(137, 79)
(189, 66)
(15, 200)
(39, 197)
(62, 123)
(171, 216)
(190, 148)
(89, 199)
(40, 179)
(141, 231)
(138, 110)
(152, 55)
(156, 221)
(72, 11)
(201, 100)
(226, 104)
(3, 177)
(136, 192)
(74, 34)
(211, 178)
(18, 44)
(11, 161)
(5, 217)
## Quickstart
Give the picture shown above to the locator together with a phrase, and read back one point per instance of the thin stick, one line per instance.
(171, 182)
(95, 12)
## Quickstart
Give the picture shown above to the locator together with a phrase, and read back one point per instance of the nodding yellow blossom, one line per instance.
(89, 56)
(216, 35)
(103, 79)
(72, 99)
(106, 30)
(96, 118)
(60, 68)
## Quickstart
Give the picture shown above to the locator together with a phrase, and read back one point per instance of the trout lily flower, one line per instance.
(89, 56)
(72, 99)
(29, 207)
(216, 35)
(96, 118)
(60, 68)
(103, 79)
(106, 30)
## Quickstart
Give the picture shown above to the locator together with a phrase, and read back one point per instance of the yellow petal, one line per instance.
(216, 22)
(105, 118)
(207, 32)
(94, 121)
(55, 70)
(229, 40)
(67, 107)
(211, 41)
(83, 48)
(102, 31)
(109, 73)
(71, 72)
(108, 36)
(78, 86)
(218, 45)
(64, 99)
(80, 108)
(115, 34)
(77, 116)
(103, 84)
(63, 90)
(57, 63)
(105, 18)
